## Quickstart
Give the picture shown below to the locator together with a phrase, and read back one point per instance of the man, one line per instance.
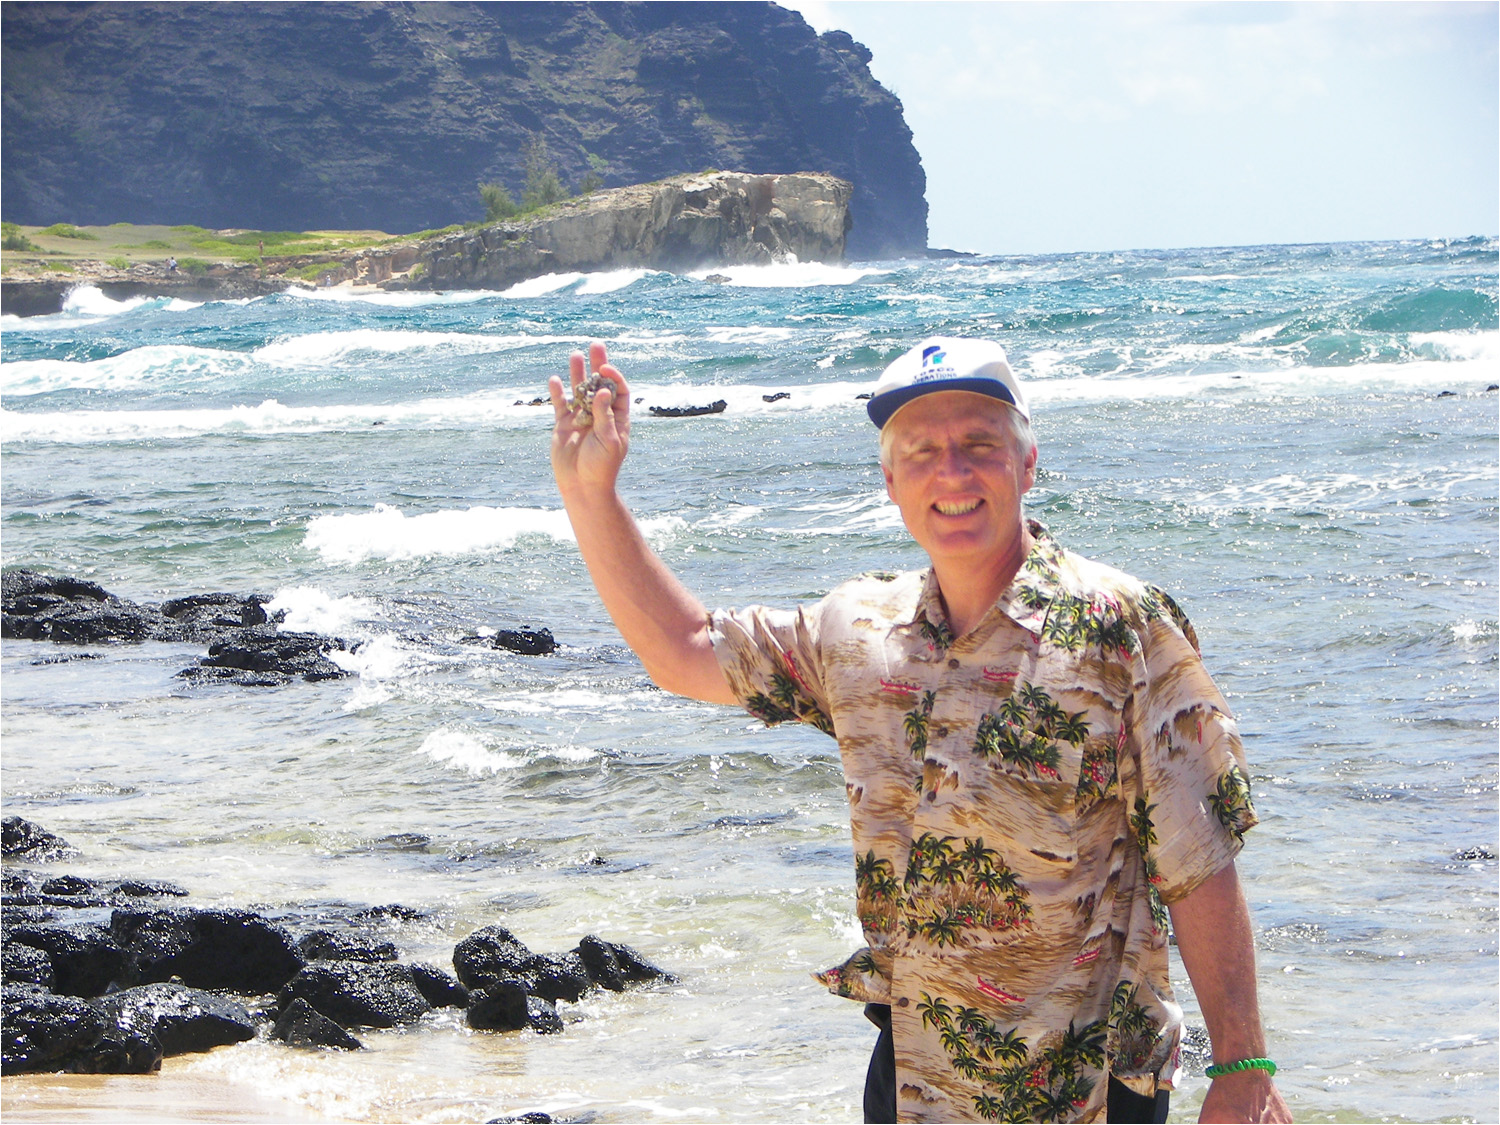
(1039, 769)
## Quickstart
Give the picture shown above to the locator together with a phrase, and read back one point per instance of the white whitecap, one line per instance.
(331, 347)
(389, 533)
(156, 363)
(790, 275)
(311, 610)
(462, 751)
(400, 299)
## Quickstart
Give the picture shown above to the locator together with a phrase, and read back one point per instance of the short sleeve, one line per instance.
(771, 660)
(1192, 807)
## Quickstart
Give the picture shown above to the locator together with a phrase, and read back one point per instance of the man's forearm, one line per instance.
(658, 617)
(1217, 946)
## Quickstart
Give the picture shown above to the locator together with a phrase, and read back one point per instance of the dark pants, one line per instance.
(1124, 1104)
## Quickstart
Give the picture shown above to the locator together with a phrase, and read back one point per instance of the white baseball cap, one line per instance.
(946, 363)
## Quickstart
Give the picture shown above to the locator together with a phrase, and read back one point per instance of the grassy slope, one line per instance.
(126, 244)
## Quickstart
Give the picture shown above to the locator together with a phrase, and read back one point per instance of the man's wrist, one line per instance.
(1250, 1067)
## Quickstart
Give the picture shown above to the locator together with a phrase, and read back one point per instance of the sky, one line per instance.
(1047, 126)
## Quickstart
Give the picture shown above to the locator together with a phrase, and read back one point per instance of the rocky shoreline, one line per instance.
(111, 976)
(245, 644)
(678, 224)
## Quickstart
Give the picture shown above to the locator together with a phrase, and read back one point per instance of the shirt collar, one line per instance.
(1026, 600)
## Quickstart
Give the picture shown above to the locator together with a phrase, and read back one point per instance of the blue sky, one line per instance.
(1099, 126)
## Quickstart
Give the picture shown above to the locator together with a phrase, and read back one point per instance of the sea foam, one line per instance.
(389, 533)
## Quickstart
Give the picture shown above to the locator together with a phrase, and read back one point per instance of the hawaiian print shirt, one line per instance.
(1024, 800)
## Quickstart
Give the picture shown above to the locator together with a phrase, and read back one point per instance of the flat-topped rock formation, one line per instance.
(686, 222)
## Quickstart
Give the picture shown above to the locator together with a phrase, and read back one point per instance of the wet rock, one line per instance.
(488, 956)
(234, 950)
(777, 397)
(301, 1025)
(507, 1006)
(68, 886)
(717, 407)
(528, 642)
(26, 964)
(614, 966)
(182, 1020)
(120, 1050)
(355, 993)
(203, 617)
(556, 976)
(40, 1030)
(20, 839)
(43, 607)
(326, 945)
(438, 988)
(19, 886)
(85, 959)
(394, 911)
(147, 888)
(269, 656)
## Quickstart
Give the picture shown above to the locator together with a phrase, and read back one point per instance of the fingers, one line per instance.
(576, 373)
(597, 356)
(559, 405)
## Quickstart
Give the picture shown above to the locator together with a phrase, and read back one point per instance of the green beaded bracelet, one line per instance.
(1243, 1064)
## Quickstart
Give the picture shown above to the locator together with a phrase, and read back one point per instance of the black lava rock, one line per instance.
(68, 886)
(506, 1006)
(182, 1020)
(26, 964)
(354, 993)
(614, 966)
(235, 950)
(145, 888)
(85, 959)
(269, 654)
(489, 956)
(438, 988)
(43, 1031)
(528, 642)
(301, 1025)
(42, 607)
(556, 976)
(326, 945)
(20, 839)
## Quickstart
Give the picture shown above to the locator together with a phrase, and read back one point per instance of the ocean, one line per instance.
(1297, 442)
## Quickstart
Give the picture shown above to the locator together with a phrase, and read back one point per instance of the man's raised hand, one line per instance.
(587, 451)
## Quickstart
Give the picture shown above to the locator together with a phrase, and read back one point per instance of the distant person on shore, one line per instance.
(1040, 772)
(171, 265)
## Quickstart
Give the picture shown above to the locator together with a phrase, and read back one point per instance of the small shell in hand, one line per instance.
(583, 399)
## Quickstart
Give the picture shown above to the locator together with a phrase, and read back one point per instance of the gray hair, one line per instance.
(1020, 430)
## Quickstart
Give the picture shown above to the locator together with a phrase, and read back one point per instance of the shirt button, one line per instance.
(940, 729)
(901, 1003)
(954, 663)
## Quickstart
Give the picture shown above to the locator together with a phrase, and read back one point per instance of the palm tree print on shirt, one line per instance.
(1024, 731)
(953, 890)
(787, 703)
(1133, 1032)
(915, 725)
(1050, 1084)
(1145, 839)
(878, 893)
(1231, 802)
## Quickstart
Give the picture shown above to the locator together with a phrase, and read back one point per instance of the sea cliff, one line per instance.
(313, 116)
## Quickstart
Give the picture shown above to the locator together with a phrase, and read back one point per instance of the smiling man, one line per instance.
(1041, 774)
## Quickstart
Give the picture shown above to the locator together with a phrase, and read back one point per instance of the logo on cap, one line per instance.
(933, 356)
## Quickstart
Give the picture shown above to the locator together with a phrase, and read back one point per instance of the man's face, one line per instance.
(958, 476)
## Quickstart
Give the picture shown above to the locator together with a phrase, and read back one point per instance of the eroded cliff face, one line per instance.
(388, 115)
(725, 218)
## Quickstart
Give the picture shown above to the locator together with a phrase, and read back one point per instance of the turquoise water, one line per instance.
(1298, 442)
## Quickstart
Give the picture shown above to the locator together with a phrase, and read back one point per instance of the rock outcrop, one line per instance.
(84, 996)
(387, 115)
(723, 218)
